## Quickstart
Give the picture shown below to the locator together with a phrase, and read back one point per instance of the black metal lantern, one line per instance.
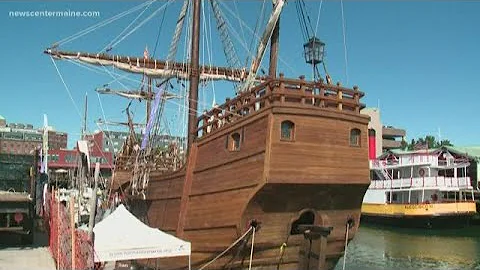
(314, 50)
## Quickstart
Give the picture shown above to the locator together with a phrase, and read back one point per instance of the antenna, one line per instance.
(439, 135)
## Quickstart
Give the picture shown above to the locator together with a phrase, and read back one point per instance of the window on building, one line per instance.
(234, 142)
(355, 137)
(287, 130)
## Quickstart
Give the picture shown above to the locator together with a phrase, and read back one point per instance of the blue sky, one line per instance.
(418, 60)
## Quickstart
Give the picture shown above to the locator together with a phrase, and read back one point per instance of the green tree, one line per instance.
(428, 141)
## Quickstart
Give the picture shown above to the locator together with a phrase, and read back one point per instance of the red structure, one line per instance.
(372, 145)
(66, 159)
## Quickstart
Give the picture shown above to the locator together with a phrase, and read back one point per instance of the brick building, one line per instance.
(24, 139)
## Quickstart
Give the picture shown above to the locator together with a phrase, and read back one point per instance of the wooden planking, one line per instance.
(163, 214)
(202, 240)
(241, 174)
(323, 146)
(165, 188)
(215, 152)
(216, 209)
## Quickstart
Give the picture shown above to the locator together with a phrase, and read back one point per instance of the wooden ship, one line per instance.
(273, 178)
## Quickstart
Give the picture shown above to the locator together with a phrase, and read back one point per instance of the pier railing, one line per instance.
(281, 91)
(423, 182)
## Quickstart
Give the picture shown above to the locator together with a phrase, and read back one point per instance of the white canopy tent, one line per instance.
(121, 236)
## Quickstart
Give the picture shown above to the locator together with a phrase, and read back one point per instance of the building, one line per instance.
(385, 137)
(68, 159)
(113, 140)
(18, 138)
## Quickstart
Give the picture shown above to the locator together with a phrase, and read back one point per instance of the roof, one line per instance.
(470, 151)
(121, 236)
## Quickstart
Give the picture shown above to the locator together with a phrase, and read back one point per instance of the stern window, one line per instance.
(234, 144)
(287, 130)
(355, 137)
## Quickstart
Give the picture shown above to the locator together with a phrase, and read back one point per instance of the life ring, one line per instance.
(421, 172)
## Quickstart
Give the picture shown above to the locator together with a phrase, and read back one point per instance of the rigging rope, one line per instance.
(251, 250)
(255, 33)
(73, 101)
(108, 47)
(66, 87)
(228, 248)
(241, 27)
(251, 32)
(101, 24)
(318, 17)
(344, 43)
(142, 23)
(159, 31)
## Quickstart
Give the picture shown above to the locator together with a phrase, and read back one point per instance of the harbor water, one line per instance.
(376, 248)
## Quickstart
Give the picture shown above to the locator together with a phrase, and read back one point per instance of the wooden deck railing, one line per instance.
(288, 92)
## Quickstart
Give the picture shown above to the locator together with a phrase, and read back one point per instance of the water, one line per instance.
(376, 248)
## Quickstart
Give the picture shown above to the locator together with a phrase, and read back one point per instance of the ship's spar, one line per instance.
(194, 72)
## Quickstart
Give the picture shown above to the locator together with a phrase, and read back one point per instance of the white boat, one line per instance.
(423, 188)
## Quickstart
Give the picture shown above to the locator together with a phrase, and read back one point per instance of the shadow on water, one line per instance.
(376, 248)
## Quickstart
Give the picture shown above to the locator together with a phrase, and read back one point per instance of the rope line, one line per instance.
(251, 249)
(344, 42)
(108, 46)
(318, 16)
(142, 23)
(101, 24)
(66, 88)
(228, 248)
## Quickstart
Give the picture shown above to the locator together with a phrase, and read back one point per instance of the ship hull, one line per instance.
(431, 216)
(302, 192)
(452, 221)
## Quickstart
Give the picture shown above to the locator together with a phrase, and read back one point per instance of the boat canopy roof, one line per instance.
(472, 152)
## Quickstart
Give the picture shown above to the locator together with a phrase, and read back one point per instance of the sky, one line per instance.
(417, 60)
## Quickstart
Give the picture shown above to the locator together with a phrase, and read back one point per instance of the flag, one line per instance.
(153, 112)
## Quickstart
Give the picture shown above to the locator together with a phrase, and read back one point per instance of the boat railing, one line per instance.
(422, 182)
(280, 91)
(379, 164)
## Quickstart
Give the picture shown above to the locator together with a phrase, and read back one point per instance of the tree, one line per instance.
(428, 142)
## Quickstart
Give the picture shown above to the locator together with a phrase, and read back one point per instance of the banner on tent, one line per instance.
(143, 253)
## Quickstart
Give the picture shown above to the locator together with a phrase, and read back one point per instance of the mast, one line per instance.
(84, 128)
(194, 75)
(149, 93)
(274, 40)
